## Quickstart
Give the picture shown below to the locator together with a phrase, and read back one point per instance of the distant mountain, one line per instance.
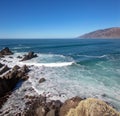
(104, 33)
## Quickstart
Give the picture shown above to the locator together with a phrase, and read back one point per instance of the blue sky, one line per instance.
(56, 18)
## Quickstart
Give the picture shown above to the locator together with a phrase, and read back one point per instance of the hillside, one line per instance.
(104, 33)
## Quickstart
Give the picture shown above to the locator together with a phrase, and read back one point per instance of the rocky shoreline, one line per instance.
(29, 103)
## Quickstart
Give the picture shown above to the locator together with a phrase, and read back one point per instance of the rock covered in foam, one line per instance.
(29, 56)
(93, 107)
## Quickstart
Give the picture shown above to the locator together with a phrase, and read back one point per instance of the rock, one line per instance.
(51, 113)
(10, 57)
(19, 57)
(25, 69)
(1, 65)
(5, 68)
(70, 103)
(16, 67)
(10, 79)
(93, 107)
(42, 80)
(29, 56)
(5, 51)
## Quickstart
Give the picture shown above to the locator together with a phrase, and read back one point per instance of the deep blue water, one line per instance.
(97, 62)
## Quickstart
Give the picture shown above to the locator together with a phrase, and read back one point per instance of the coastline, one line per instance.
(28, 97)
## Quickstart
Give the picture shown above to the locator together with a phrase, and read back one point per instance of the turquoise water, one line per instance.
(94, 71)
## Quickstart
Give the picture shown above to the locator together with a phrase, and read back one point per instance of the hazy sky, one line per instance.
(56, 18)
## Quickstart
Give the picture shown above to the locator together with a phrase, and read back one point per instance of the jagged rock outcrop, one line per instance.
(29, 56)
(113, 33)
(10, 79)
(93, 107)
(70, 103)
(5, 51)
(40, 107)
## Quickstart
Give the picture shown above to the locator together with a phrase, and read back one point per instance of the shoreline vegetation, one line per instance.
(28, 103)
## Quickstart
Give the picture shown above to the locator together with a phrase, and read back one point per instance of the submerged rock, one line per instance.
(93, 107)
(29, 56)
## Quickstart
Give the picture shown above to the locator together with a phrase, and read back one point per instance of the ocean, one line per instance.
(72, 67)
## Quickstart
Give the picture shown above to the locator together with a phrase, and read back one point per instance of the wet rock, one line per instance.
(93, 107)
(1, 65)
(10, 79)
(29, 56)
(16, 67)
(5, 51)
(70, 103)
(10, 57)
(42, 80)
(19, 57)
(5, 68)
(25, 69)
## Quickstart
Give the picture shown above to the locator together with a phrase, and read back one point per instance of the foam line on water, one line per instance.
(49, 64)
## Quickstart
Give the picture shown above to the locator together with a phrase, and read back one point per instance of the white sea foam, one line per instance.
(48, 64)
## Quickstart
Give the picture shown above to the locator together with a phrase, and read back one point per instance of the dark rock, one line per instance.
(70, 103)
(1, 65)
(42, 80)
(29, 56)
(10, 57)
(6, 68)
(5, 51)
(19, 57)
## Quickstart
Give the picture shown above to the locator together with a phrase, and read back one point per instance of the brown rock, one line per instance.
(5, 51)
(70, 103)
(16, 67)
(25, 69)
(93, 107)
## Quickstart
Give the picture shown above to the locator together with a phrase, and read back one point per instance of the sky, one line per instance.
(56, 18)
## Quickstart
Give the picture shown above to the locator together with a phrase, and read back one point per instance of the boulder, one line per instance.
(93, 107)
(5, 51)
(4, 69)
(42, 80)
(70, 103)
(29, 56)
